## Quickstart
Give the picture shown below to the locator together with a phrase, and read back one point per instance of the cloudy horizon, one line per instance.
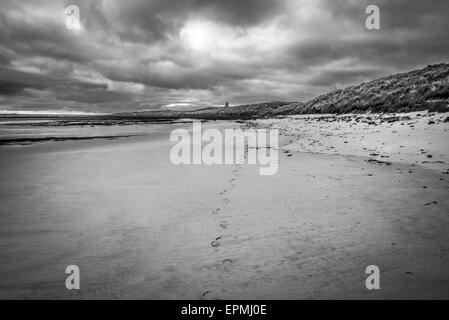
(143, 55)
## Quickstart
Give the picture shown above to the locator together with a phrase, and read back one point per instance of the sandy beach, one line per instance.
(140, 227)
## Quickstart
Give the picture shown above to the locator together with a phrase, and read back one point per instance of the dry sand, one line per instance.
(140, 227)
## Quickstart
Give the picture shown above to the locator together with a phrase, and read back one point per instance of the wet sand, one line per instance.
(140, 227)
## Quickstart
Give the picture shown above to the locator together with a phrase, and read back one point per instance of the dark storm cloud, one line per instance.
(144, 20)
(14, 82)
(184, 78)
(5, 56)
(150, 53)
(20, 80)
(329, 78)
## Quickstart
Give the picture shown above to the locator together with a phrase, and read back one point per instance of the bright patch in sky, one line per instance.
(197, 35)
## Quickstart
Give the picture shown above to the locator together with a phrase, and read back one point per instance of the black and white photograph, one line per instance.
(228, 150)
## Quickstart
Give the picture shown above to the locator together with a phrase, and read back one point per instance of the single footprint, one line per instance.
(224, 224)
(226, 200)
(205, 293)
(215, 243)
(216, 211)
(227, 265)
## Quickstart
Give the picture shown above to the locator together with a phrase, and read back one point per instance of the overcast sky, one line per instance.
(145, 54)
